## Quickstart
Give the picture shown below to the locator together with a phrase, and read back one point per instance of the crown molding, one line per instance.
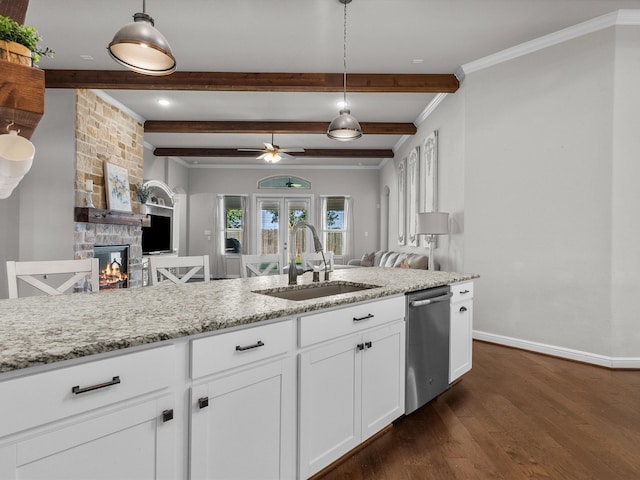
(619, 17)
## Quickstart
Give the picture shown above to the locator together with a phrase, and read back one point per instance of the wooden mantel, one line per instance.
(110, 217)
(21, 97)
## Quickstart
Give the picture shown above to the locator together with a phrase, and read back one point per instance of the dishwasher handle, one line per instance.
(429, 301)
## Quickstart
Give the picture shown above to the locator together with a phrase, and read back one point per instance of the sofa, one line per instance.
(384, 258)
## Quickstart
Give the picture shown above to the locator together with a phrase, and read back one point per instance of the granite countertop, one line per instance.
(47, 329)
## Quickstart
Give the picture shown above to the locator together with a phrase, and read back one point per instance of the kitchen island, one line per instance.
(191, 381)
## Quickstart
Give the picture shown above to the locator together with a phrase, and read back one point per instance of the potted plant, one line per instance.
(143, 192)
(19, 43)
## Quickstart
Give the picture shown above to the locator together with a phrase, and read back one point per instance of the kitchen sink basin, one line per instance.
(315, 290)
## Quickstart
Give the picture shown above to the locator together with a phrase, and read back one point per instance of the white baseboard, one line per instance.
(562, 352)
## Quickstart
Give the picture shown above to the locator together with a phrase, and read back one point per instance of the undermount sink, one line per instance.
(315, 290)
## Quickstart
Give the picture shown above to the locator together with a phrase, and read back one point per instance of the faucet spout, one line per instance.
(317, 245)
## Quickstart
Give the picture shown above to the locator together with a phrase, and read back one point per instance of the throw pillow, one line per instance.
(367, 260)
(404, 264)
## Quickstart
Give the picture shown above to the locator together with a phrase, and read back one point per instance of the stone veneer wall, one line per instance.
(104, 133)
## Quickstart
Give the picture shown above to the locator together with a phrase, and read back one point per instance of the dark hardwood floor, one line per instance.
(516, 415)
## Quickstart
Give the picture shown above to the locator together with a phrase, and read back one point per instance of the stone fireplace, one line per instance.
(104, 133)
(90, 235)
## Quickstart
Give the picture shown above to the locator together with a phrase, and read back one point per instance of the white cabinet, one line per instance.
(243, 405)
(106, 419)
(352, 386)
(461, 334)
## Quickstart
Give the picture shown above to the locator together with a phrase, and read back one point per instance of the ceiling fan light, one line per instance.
(140, 47)
(344, 127)
(272, 157)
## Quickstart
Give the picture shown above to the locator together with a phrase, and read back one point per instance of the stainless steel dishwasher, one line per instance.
(427, 370)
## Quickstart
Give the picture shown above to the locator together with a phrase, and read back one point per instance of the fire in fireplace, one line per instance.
(114, 262)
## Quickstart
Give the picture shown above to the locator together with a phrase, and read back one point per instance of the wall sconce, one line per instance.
(432, 224)
(16, 158)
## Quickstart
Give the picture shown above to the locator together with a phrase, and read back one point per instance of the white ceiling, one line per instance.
(384, 36)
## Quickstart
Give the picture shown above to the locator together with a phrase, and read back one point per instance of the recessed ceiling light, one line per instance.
(164, 102)
(86, 57)
(417, 61)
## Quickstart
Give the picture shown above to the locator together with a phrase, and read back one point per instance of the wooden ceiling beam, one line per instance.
(309, 152)
(14, 9)
(171, 126)
(254, 82)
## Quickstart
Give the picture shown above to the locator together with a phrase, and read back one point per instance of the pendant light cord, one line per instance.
(344, 58)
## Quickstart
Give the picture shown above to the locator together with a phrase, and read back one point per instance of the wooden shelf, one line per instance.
(111, 217)
(21, 97)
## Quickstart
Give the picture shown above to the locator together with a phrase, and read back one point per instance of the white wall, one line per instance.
(538, 194)
(626, 195)
(448, 120)
(47, 193)
(206, 183)
(9, 240)
(547, 146)
(36, 222)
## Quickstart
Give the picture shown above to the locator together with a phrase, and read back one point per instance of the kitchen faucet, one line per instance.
(317, 245)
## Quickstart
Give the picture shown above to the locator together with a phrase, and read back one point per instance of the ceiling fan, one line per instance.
(290, 184)
(272, 153)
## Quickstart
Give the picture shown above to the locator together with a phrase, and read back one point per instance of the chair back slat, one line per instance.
(172, 269)
(260, 265)
(26, 271)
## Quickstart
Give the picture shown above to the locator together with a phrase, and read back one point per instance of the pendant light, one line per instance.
(141, 48)
(345, 126)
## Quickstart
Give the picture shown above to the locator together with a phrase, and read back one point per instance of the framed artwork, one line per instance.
(413, 185)
(116, 186)
(429, 174)
(402, 198)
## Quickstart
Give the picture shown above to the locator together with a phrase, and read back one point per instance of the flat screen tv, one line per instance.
(157, 236)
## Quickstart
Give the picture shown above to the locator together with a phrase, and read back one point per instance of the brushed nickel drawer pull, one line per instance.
(464, 291)
(463, 309)
(77, 390)
(203, 402)
(366, 317)
(249, 347)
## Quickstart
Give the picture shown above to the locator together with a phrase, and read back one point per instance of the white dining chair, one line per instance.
(311, 259)
(178, 270)
(28, 273)
(260, 265)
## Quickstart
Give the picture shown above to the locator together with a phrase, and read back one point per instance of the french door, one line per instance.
(276, 216)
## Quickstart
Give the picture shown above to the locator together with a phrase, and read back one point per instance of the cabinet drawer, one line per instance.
(228, 350)
(33, 400)
(344, 321)
(461, 291)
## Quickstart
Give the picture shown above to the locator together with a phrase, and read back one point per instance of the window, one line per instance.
(334, 224)
(234, 223)
(284, 182)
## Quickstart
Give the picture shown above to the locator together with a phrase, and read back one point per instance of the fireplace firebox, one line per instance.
(114, 265)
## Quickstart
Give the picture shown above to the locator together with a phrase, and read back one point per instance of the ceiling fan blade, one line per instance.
(285, 155)
(268, 146)
(293, 150)
(260, 157)
(249, 149)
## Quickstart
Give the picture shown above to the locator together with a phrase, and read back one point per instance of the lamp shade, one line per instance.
(433, 223)
(141, 48)
(344, 127)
